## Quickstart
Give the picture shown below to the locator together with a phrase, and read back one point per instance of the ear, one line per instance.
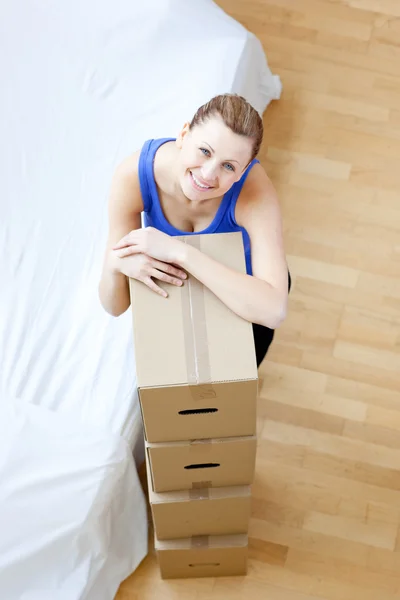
(183, 132)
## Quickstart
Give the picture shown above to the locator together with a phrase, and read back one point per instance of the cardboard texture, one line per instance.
(195, 359)
(202, 463)
(201, 511)
(203, 556)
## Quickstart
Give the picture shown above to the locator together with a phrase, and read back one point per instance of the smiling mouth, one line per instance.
(198, 184)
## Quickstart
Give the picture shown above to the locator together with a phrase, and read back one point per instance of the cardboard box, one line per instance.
(202, 511)
(202, 463)
(195, 359)
(203, 556)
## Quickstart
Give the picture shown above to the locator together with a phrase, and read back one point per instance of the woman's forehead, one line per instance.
(223, 140)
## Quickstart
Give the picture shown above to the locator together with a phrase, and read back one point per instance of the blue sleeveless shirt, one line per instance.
(224, 220)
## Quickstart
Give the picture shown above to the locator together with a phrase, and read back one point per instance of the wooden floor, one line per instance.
(326, 500)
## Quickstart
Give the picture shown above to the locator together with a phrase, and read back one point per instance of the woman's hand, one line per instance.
(152, 242)
(145, 268)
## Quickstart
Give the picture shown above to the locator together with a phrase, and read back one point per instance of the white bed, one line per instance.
(83, 85)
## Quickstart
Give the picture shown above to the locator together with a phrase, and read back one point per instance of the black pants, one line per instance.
(263, 337)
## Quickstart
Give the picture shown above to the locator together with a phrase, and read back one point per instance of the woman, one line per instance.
(207, 180)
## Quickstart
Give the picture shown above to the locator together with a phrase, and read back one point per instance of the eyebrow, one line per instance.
(227, 160)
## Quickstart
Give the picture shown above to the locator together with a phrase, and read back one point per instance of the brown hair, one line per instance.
(237, 114)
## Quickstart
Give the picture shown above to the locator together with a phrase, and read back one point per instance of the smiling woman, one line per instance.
(214, 146)
(206, 180)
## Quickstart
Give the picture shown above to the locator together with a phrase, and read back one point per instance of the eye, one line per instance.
(229, 167)
(205, 151)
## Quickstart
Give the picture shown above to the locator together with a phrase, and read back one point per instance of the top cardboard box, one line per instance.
(195, 359)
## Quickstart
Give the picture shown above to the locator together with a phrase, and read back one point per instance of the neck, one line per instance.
(168, 180)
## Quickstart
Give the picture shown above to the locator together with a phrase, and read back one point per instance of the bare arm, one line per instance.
(124, 210)
(125, 207)
(261, 298)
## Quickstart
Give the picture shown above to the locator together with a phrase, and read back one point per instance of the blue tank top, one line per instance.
(224, 220)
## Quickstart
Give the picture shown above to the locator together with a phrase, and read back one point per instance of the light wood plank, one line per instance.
(380, 535)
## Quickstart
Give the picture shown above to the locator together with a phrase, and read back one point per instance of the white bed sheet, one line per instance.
(83, 85)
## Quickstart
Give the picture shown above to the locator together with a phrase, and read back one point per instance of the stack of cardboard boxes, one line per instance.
(197, 382)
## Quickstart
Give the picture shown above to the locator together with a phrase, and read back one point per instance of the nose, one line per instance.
(209, 171)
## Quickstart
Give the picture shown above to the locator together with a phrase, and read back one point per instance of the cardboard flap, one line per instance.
(238, 491)
(193, 444)
(210, 541)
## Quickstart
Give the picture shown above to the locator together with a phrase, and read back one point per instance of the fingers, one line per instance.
(128, 251)
(121, 244)
(153, 286)
(165, 277)
(126, 240)
(170, 269)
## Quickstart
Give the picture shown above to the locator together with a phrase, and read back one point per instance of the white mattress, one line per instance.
(84, 84)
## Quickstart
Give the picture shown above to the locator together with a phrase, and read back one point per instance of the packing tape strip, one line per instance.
(200, 493)
(195, 335)
(199, 541)
(204, 391)
(200, 447)
(200, 490)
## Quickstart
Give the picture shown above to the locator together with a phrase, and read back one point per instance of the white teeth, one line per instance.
(197, 182)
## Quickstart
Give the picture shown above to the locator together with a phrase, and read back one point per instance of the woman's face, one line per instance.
(212, 159)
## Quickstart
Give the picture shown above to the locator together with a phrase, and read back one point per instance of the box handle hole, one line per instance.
(198, 411)
(204, 564)
(203, 466)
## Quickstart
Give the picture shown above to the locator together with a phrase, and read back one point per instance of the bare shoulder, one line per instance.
(125, 186)
(257, 197)
(125, 203)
